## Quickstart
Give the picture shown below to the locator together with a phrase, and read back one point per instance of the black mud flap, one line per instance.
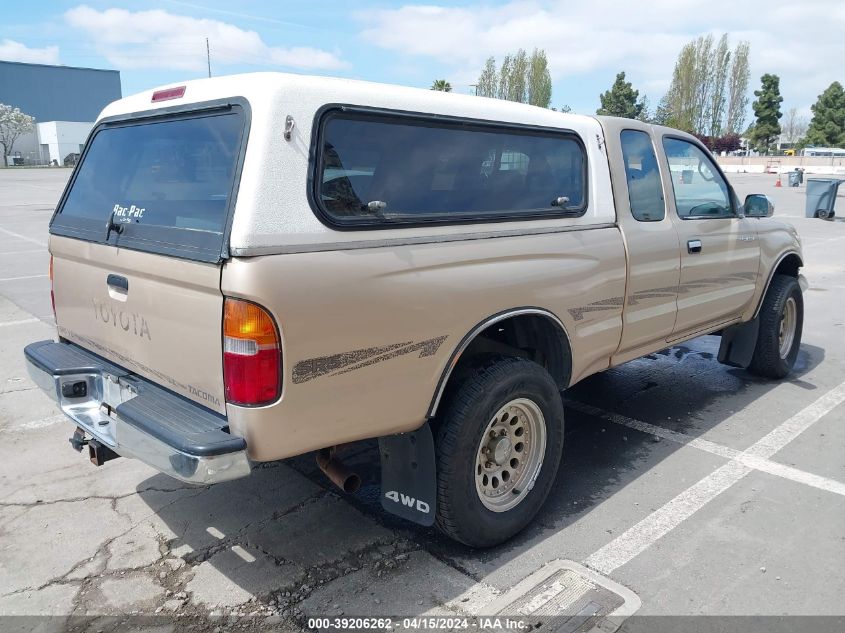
(409, 475)
(738, 343)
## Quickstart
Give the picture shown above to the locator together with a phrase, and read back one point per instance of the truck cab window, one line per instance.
(645, 190)
(700, 190)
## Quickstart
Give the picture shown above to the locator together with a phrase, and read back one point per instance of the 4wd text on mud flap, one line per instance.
(127, 321)
(405, 500)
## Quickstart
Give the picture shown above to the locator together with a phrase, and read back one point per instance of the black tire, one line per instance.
(464, 418)
(767, 360)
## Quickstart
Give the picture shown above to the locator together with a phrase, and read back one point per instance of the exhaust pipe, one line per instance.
(337, 473)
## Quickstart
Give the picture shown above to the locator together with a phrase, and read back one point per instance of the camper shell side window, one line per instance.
(376, 169)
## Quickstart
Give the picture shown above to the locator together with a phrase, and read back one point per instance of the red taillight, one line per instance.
(52, 296)
(169, 93)
(252, 356)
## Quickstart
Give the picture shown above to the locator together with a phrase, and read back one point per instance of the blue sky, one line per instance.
(163, 41)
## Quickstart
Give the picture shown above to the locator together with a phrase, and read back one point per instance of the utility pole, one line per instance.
(208, 56)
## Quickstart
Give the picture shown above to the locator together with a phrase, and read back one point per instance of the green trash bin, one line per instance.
(821, 196)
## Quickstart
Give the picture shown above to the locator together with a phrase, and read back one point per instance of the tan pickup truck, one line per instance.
(254, 267)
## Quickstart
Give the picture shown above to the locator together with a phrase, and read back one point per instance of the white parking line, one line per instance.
(37, 424)
(23, 277)
(19, 322)
(665, 519)
(797, 424)
(793, 474)
(644, 534)
(23, 237)
(755, 461)
(651, 429)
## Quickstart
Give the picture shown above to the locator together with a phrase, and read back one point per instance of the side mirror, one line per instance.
(758, 206)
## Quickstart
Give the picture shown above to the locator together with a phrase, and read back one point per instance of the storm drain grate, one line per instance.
(565, 597)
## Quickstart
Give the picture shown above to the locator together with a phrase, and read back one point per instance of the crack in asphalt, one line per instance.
(201, 555)
(113, 498)
(5, 391)
(173, 577)
(103, 547)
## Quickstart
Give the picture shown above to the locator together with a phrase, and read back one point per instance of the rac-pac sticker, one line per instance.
(127, 214)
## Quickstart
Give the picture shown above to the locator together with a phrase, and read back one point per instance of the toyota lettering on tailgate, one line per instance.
(127, 321)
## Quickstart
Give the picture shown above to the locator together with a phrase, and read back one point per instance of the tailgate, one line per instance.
(165, 324)
(138, 242)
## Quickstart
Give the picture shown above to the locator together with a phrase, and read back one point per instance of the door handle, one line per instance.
(693, 246)
(118, 282)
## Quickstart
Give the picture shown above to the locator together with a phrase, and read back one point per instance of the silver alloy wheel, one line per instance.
(510, 455)
(788, 324)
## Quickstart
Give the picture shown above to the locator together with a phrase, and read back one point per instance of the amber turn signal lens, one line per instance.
(244, 320)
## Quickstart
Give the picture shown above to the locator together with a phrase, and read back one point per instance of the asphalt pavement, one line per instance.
(687, 488)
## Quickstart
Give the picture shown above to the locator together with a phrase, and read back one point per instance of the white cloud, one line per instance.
(160, 39)
(12, 51)
(801, 42)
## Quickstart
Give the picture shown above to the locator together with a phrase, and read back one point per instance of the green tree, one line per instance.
(645, 115)
(708, 91)
(505, 77)
(441, 85)
(520, 78)
(827, 128)
(13, 123)
(539, 79)
(663, 112)
(621, 99)
(719, 74)
(488, 80)
(737, 90)
(518, 82)
(767, 112)
(681, 101)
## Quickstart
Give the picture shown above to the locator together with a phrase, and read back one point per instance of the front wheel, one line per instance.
(498, 446)
(781, 323)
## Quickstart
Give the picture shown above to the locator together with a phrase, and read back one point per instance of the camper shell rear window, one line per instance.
(166, 183)
(377, 169)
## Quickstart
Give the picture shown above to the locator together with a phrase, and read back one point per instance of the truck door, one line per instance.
(651, 241)
(720, 255)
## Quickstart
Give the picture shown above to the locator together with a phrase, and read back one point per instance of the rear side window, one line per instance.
(380, 169)
(167, 183)
(645, 191)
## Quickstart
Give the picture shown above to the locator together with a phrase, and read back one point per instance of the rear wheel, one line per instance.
(781, 323)
(498, 445)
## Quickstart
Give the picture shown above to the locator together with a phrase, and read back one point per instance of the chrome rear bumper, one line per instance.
(135, 418)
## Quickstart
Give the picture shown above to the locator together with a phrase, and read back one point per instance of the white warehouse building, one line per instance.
(59, 139)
